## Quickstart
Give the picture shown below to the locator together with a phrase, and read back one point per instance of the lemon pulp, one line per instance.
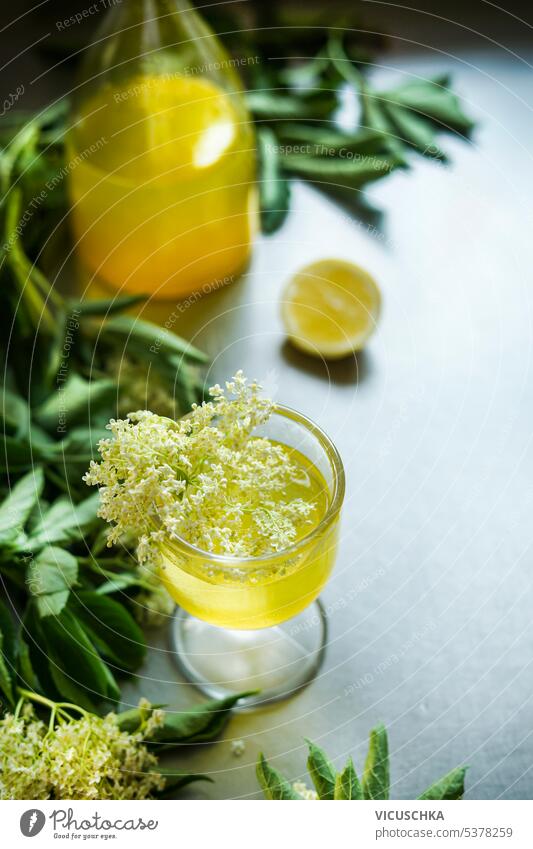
(330, 308)
(162, 185)
(262, 592)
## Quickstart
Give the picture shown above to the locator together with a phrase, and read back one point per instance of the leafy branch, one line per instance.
(75, 754)
(299, 135)
(68, 366)
(295, 104)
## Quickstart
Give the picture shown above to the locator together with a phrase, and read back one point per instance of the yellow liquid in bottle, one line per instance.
(262, 592)
(162, 185)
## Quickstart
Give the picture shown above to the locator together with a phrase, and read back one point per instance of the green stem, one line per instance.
(110, 561)
(56, 707)
(99, 570)
(56, 479)
(51, 723)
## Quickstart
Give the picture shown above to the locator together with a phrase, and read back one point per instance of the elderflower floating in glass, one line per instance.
(238, 506)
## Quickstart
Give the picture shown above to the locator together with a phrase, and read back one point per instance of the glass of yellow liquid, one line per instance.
(254, 623)
(161, 155)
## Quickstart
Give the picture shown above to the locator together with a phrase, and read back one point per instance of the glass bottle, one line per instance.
(161, 154)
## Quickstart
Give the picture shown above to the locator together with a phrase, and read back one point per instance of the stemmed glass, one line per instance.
(254, 623)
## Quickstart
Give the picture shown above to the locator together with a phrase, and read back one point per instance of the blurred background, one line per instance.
(35, 44)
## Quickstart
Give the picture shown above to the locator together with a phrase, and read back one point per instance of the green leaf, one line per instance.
(131, 720)
(321, 771)
(272, 105)
(272, 783)
(450, 786)
(112, 629)
(6, 673)
(75, 401)
(17, 453)
(26, 673)
(413, 112)
(413, 130)
(320, 141)
(376, 781)
(343, 64)
(119, 581)
(182, 379)
(75, 452)
(274, 191)
(77, 670)
(16, 508)
(147, 339)
(347, 785)
(113, 690)
(33, 636)
(48, 370)
(176, 780)
(8, 651)
(14, 412)
(108, 306)
(356, 172)
(50, 578)
(433, 99)
(374, 117)
(199, 724)
(65, 522)
(26, 137)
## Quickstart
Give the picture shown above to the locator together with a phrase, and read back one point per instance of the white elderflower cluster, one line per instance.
(86, 758)
(238, 748)
(206, 478)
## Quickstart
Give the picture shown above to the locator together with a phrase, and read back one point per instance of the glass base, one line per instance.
(275, 662)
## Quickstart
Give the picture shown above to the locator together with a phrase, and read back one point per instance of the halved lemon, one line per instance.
(330, 308)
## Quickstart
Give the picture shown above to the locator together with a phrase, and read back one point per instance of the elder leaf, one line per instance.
(16, 508)
(199, 724)
(347, 785)
(321, 771)
(8, 650)
(272, 783)
(376, 781)
(64, 522)
(50, 578)
(450, 786)
(148, 340)
(176, 780)
(274, 191)
(433, 99)
(111, 628)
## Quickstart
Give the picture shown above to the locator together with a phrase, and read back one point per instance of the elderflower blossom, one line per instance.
(304, 791)
(206, 478)
(238, 748)
(86, 758)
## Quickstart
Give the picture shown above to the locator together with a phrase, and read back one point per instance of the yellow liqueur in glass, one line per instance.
(248, 555)
(259, 592)
(163, 191)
